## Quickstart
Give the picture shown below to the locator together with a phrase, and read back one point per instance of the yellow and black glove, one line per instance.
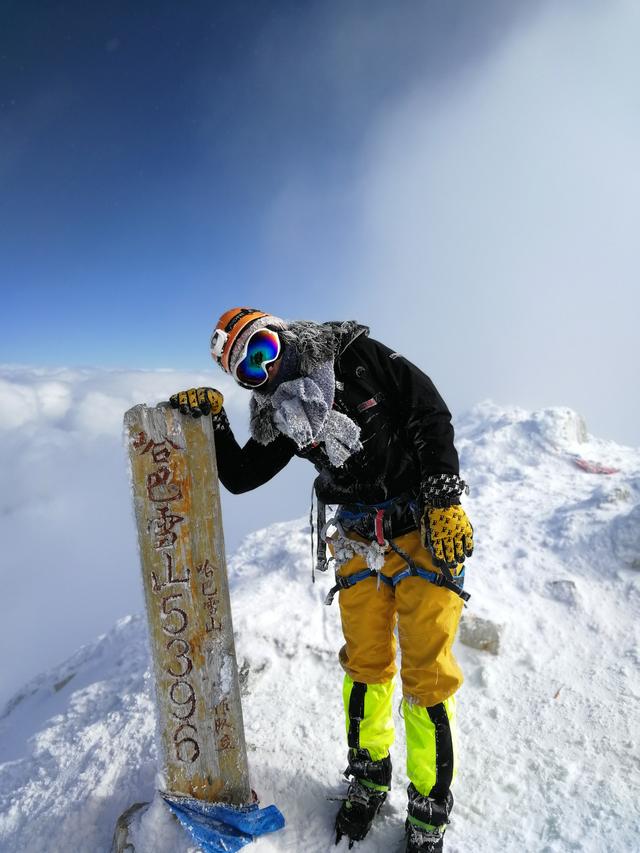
(446, 531)
(198, 401)
(448, 534)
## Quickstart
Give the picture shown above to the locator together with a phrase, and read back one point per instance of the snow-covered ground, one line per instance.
(549, 728)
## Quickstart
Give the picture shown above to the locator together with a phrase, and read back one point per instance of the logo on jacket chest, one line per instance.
(370, 403)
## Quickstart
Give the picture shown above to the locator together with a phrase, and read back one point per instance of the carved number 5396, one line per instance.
(174, 619)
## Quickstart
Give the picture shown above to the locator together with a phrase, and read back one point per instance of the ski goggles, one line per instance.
(261, 349)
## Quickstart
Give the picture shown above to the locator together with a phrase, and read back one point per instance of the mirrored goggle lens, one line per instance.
(261, 349)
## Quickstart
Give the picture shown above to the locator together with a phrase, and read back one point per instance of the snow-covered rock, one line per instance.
(479, 633)
(548, 728)
(625, 538)
(565, 591)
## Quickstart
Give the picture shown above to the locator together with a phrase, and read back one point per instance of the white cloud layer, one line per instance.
(69, 556)
(506, 211)
(490, 230)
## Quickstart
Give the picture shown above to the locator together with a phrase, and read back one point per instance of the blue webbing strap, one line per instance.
(411, 571)
(446, 579)
(432, 577)
(366, 509)
(346, 582)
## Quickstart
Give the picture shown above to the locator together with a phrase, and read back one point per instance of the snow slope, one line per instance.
(548, 728)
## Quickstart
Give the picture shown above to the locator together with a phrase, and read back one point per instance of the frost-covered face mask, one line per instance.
(302, 409)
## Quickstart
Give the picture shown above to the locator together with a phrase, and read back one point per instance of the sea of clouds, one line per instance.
(69, 563)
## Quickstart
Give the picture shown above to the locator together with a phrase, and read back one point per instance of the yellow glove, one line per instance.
(448, 534)
(198, 401)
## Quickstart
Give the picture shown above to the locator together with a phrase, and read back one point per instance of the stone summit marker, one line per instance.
(177, 506)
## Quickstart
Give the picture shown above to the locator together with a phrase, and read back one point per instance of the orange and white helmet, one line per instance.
(233, 331)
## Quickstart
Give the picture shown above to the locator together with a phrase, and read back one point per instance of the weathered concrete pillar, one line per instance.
(177, 505)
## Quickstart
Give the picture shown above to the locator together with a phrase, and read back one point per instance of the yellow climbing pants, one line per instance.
(427, 618)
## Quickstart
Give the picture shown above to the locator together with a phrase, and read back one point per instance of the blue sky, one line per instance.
(461, 176)
(146, 143)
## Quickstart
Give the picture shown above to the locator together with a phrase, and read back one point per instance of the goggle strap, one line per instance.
(239, 316)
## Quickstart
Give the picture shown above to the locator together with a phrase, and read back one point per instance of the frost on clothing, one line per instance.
(405, 427)
(302, 409)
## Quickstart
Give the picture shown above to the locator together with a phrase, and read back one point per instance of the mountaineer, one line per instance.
(380, 437)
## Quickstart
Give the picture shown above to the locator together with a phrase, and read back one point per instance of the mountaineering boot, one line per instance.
(426, 822)
(369, 782)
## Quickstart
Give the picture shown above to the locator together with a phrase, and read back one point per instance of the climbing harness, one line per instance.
(412, 570)
(373, 552)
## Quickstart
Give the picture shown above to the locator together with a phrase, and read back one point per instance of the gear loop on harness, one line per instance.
(318, 555)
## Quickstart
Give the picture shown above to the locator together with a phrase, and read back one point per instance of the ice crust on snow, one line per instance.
(548, 727)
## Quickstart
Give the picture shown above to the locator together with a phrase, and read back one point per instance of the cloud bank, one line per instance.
(69, 559)
(488, 228)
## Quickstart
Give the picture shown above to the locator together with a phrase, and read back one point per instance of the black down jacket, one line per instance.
(405, 426)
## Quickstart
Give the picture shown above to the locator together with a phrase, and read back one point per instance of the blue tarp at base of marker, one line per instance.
(221, 828)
